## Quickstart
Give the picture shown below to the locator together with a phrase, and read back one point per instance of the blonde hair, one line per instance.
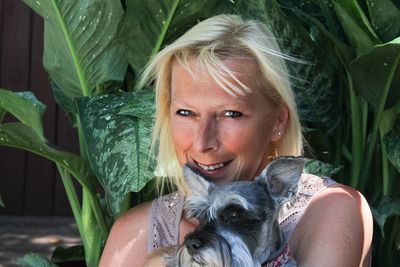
(210, 42)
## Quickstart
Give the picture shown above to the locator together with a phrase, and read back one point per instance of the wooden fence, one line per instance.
(29, 184)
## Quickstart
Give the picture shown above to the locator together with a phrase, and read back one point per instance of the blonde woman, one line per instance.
(225, 107)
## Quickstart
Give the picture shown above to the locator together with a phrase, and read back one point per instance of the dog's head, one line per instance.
(238, 221)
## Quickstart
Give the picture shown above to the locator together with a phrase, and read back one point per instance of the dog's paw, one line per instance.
(162, 257)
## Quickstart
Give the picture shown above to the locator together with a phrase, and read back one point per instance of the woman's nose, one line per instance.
(206, 136)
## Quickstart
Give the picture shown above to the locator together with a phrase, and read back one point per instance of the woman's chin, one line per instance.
(218, 177)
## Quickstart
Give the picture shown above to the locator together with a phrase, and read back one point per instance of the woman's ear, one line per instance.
(280, 123)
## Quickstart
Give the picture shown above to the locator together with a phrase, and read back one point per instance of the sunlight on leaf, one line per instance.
(80, 47)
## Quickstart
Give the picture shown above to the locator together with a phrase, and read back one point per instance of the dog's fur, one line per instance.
(238, 221)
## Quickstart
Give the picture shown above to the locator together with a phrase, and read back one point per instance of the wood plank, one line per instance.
(14, 75)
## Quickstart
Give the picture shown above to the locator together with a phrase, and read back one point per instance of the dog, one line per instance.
(238, 221)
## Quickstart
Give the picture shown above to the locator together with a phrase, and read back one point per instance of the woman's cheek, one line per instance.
(182, 133)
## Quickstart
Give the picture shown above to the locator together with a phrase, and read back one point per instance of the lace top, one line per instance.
(166, 213)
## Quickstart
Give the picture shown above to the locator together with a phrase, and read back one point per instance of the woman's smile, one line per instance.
(213, 169)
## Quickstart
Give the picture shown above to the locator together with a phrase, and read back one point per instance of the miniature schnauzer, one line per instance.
(238, 221)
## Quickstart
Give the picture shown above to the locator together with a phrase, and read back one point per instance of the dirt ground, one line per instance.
(20, 235)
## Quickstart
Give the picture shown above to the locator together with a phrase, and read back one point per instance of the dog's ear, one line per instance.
(282, 178)
(198, 185)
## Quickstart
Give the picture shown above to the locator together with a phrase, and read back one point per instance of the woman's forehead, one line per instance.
(236, 75)
(238, 65)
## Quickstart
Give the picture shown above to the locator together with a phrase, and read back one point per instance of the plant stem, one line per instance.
(73, 199)
(98, 215)
(385, 169)
(364, 114)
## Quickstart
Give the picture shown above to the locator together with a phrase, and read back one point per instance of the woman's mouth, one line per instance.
(212, 168)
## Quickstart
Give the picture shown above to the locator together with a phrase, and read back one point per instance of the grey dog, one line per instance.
(238, 221)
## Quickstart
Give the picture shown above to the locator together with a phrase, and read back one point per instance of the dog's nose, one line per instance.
(193, 244)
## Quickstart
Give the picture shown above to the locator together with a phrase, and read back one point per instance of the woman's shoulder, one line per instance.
(335, 229)
(127, 242)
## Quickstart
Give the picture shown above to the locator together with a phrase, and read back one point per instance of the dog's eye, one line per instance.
(234, 214)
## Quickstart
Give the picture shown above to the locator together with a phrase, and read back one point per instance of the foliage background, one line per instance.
(348, 98)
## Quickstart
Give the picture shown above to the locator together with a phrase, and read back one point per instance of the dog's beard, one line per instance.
(241, 255)
(219, 250)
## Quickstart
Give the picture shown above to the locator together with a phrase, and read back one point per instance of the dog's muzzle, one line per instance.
(205, 248)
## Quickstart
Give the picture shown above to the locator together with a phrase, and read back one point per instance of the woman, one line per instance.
(225, 107)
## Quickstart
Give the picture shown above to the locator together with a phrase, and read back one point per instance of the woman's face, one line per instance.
(225, 137)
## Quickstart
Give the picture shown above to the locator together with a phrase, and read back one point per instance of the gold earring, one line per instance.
(272, 157)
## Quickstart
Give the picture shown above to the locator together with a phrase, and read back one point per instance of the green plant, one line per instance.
(95, 50)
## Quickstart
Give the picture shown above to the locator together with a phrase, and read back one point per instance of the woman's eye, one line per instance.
(184, 112)
(232, 114)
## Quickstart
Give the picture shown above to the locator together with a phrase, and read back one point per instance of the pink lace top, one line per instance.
(166, 213)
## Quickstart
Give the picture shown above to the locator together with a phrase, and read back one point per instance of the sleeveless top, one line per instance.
(166, 213)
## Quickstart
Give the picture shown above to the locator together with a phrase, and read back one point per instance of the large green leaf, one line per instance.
(35, 260)
(117, 130)
(313, 78)
(80, 45)
(373, 70)
(25, 107)
(150, 24)
(386, 209)
(356, 25)
(385, 18)
(21, 136)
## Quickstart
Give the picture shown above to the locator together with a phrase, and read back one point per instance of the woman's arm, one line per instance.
(127, 242)
(335, 230)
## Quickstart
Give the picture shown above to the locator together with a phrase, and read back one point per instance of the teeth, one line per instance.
(211, 167)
